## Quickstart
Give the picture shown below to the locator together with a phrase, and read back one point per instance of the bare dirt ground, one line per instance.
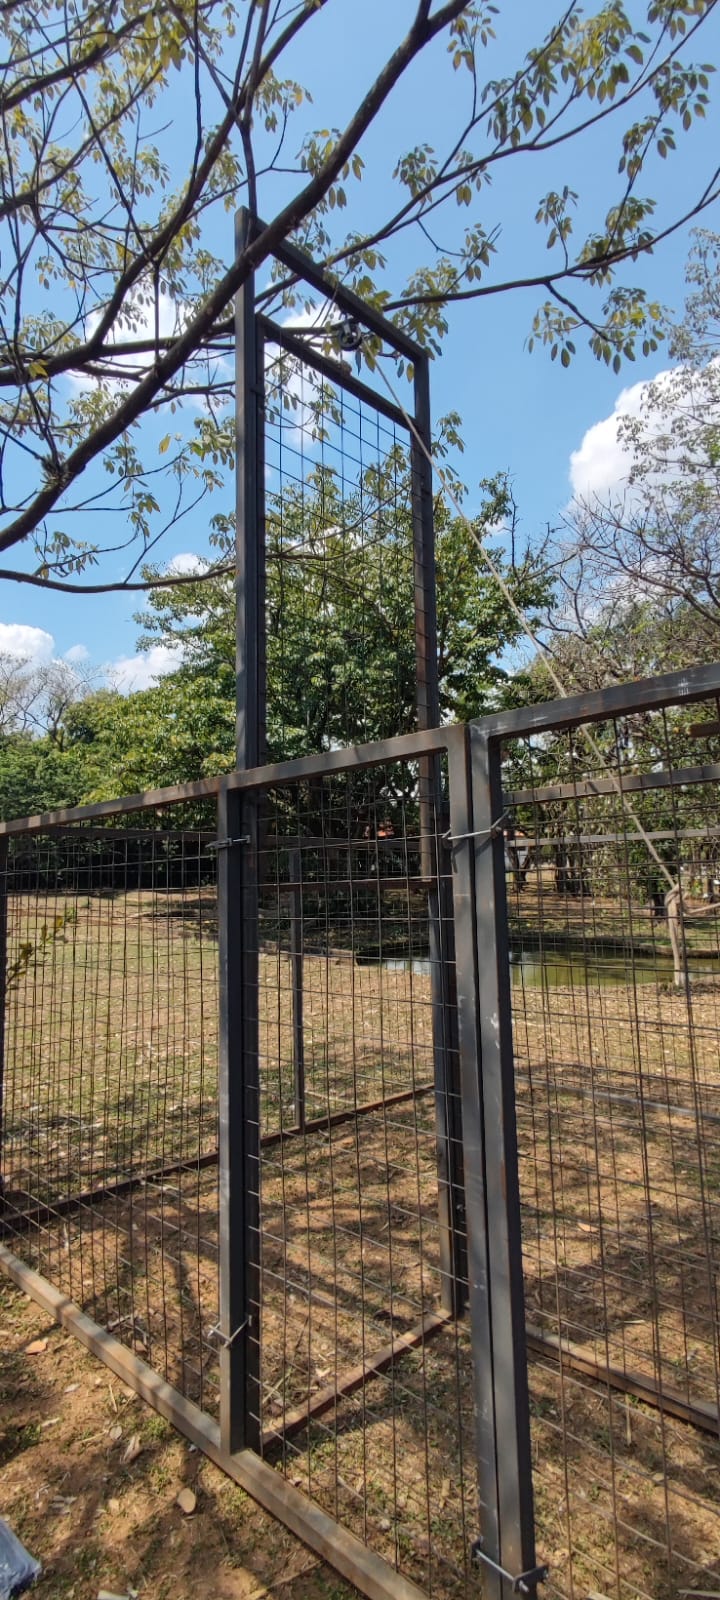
(96, 1523)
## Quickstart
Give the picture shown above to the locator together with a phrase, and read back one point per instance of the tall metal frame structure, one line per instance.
(253, 333)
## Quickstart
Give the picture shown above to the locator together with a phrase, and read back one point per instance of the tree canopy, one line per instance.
(341, 654)
(131, 131)
(638, 568)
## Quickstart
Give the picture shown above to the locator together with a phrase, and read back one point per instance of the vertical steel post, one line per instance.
(3, 996)
(473, 1126)
(296, 965)
(453, 1259)
(249, 529)
(238, 913)
(497, 1304)
(239, 1131)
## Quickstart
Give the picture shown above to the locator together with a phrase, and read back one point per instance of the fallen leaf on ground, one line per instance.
(116, 1432)
(187, 1501)
(132, 1449)
(36, 1348)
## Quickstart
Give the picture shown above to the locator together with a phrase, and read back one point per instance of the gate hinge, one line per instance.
(524, 1583)
(226, 844)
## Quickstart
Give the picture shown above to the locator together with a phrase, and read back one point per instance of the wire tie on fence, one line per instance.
(228, 1339)
(451, 838)
(523, 1583)
(225, 844)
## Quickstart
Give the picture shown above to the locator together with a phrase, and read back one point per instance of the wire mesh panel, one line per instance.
(365, 1377)
(612, 851)
(339, 560)
(109, 1102)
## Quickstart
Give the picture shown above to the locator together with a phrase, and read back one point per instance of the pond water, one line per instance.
(555, 970)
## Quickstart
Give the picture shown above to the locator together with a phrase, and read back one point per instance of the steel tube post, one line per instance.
(239, 1130)
(453, 1261)
(296, 963)
(249, 529)
(238, 908)
(473, 1128)
(489, 1116)
(3, 998)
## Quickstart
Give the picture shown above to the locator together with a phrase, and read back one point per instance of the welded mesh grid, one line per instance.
(366, 1378)
(340, 596)
(109, 1106)
(618, 1101)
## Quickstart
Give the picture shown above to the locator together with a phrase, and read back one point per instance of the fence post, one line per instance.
(249, 516)
(3, 997)
(505, 1548)
(239, 1141)
(453, 1257)
(296, 966)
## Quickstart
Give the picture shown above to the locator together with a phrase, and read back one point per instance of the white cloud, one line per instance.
(129, 673)
(185, 563)
(170, 319)
(299, 383)
(27, 643)
(77, 653)
(602, 463)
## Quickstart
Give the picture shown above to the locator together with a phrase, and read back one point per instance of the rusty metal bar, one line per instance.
(355, 1378)
(698, 1413)
(474, 1161)
(238, 1094)
(37, 1214)
(491, 1166)
(3, 996)
(249, 596)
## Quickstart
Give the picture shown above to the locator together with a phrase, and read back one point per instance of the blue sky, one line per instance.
(520, 411)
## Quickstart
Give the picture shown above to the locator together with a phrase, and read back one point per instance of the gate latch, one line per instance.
(524, 1583)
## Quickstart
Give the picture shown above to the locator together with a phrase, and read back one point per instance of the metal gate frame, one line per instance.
(253, 332)
(495, 1304)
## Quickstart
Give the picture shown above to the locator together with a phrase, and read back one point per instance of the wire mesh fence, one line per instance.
(611, 860)
(109, 1103)
(365, 1376)
(113, 1131)
(265, 1052)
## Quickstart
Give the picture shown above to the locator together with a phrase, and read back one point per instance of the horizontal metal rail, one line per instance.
(355, 1378)
(20, 1221)
(402, 747)
(534, 840)
(698, 1413)
(334, 371)
(321, 1533)
(601, 705)
(630, 783)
